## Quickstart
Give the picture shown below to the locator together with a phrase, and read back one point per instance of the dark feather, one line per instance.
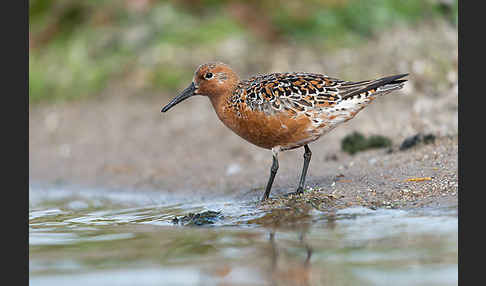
(375, 84)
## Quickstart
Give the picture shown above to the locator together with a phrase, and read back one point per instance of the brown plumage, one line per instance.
(283, 111)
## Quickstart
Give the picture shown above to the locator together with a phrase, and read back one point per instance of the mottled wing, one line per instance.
(291, 92)
(309, 93)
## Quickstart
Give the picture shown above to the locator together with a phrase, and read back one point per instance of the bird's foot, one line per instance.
(299, 192)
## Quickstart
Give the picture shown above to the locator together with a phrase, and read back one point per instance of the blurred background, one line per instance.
(82, 48)
(99, 72)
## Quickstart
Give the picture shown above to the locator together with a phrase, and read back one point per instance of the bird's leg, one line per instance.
(273, 172)
(307, 158)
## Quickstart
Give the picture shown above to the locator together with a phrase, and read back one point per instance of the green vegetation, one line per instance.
(356, 142)
(78, 48)
(352, 21)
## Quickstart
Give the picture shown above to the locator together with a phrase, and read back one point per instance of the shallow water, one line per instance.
(99, 237)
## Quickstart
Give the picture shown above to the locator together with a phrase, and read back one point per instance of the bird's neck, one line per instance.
(220, 102)
(219, 97)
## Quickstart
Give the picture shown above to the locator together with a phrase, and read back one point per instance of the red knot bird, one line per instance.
(283, 111)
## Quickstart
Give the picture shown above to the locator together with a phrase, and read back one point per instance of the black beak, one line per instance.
(185, 94)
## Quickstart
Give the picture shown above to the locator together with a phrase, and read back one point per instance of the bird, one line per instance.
(283, 111)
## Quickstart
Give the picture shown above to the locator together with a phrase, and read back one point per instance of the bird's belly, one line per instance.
(269, 131)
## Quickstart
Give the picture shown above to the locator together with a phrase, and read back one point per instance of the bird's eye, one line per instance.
(208, 75)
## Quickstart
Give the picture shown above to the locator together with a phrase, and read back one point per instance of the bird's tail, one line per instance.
(378, 86)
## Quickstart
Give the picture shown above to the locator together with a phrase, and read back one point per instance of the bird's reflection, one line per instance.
(295, 272)
(287, 268)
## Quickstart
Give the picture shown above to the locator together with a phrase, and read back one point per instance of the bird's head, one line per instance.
(212, 80)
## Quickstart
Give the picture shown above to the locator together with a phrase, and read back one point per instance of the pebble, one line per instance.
(233, 169)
